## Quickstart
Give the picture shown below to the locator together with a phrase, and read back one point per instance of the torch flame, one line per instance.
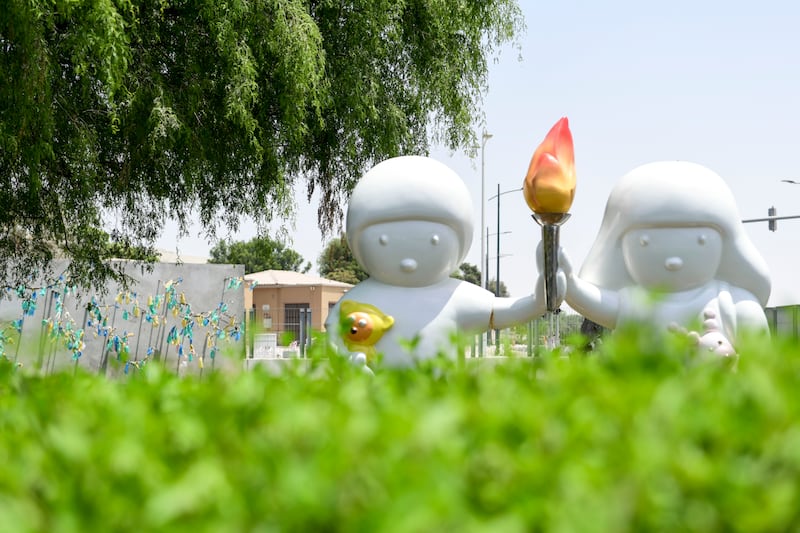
(549, 185)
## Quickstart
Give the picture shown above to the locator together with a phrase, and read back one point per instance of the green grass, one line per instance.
(638, 437)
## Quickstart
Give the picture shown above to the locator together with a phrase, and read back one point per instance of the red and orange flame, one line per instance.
(549, 185)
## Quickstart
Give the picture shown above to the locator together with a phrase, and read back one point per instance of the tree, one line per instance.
(336, 262)
(503, 288)
(260, 253)
(468, 272)
(471, 273)
(120, 113)
(121, 250)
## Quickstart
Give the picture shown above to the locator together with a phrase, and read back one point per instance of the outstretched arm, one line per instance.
(507, 312)
(598, 305)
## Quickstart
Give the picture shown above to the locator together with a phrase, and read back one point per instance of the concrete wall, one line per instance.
(198, 290)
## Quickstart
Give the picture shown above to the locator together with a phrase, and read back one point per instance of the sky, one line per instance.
(715, 82)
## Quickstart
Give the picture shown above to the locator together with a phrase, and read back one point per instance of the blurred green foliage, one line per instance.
(638, 436)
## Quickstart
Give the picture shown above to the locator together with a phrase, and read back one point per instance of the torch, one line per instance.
(549, 189)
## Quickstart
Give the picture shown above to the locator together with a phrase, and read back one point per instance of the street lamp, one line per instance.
(487, 253)
(497, 281)
(498, 195)
(485, 137)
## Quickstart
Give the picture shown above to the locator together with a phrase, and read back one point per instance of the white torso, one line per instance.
(430, 314)
(684, 308)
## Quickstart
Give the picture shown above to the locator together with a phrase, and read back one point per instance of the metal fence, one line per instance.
(784, 321)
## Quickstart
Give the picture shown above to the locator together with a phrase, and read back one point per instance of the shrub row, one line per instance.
(640, 436)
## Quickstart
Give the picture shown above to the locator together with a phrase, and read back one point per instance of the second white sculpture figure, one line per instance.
(672, 251)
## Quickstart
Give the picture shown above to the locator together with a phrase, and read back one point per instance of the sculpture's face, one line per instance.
(358, 327)
(672, 258)
(409, 253)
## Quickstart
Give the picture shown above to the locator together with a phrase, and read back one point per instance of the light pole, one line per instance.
(487, 240)
(498, 252)
(497, 196)
(497, 280)
(484, 137)
(486, 270)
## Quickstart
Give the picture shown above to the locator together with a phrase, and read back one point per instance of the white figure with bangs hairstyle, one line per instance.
(672, 251)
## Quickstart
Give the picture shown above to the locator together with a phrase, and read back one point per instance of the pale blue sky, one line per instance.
(716, 83)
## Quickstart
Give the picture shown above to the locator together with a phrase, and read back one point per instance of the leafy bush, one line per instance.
(640, 436)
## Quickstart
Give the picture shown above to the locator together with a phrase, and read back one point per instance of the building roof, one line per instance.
(166, 256)
(289, 278)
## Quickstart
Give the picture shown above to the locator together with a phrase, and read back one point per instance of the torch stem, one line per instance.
(551, 227)
(550, 237)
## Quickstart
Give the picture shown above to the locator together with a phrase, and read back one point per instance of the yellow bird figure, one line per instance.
(362, 326)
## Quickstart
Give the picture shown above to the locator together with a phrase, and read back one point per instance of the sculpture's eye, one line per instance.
(383, 239)
(362, 323)
(701, 240)
(434, 240)
(644, 240)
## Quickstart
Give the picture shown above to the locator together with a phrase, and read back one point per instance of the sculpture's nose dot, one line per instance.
(673, 263)
(408, 265)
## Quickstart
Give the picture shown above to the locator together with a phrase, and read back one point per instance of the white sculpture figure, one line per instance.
(672, 250)
(409, 225)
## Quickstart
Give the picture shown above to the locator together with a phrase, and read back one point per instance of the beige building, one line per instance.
(279, 300)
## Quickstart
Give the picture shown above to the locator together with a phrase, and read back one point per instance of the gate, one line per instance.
(297, 322)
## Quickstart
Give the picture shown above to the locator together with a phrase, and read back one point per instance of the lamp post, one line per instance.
(484, 137)
(487, 253)
(499, 256)
(497, 281)
(497, 196)
(486, 268)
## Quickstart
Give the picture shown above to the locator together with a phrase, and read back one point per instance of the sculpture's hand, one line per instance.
(561, 277)
(359, 360)
(599, 305)
(564, 264)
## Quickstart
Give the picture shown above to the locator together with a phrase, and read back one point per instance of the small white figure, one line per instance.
(711, 345)
(409, 225)
(713, 340)
(672, 247)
